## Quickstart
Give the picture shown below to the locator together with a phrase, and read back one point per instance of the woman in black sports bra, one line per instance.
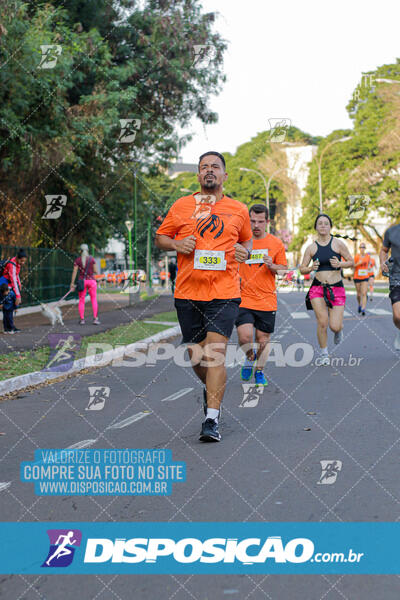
(326, 295)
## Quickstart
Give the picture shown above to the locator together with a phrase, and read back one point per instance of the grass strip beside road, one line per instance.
(165, 316)
(27, 361)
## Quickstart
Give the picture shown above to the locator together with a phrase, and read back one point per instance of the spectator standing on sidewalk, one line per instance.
(7, 299)
(11, 271)
(10, 277)
(87, 267)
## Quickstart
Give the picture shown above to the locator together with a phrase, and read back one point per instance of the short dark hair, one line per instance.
(322, 215)
(3, 288)
(211, 152)
(258, 209)
(21, 253)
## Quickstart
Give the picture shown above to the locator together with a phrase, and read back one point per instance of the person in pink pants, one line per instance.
(86, 268)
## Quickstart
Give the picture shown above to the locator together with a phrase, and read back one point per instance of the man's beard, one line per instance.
(210, 184)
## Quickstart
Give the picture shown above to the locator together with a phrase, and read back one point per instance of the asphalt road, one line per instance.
(266, 468)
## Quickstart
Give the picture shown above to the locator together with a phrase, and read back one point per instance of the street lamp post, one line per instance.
(269, 185)
(319, 162)
(387, 80)
(149, 277)
(129, 225)
(135, 223)
(266, 190)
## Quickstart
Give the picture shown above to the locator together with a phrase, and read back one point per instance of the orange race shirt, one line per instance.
(371, 267)
(210, 271)
(362, 271)
(257, 281)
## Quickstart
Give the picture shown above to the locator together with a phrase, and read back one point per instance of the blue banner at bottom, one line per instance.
(155, 548)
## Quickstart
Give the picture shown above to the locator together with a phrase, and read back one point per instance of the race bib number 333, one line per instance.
(210, 260)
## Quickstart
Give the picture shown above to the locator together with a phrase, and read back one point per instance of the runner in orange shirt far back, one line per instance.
(259, 303)
(361, 276)
(211, 234)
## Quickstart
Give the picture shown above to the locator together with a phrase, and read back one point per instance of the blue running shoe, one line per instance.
(260, 378)
(246, 373)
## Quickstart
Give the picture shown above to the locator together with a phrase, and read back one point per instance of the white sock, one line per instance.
(324, 351)
(212, 413)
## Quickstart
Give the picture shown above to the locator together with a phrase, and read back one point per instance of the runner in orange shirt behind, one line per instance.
(259, 303)
(361, 276)
(211, 234)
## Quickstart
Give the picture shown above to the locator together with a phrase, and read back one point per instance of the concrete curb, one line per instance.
(95, 360)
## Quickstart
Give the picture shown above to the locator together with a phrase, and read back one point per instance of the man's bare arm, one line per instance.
(184, 246)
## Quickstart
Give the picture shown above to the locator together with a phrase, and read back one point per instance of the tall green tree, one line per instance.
(61, 127)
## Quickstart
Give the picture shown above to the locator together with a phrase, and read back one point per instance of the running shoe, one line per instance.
(363, 313)
(209, 431)
(16, 330)
(370, 298)
(397, 341)
(96, 321)
(359, 309)
(324, 360)
(338, 337)
(82, 322)
(260, 378)
(246, 373)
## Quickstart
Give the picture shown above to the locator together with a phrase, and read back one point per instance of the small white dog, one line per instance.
(53, 313)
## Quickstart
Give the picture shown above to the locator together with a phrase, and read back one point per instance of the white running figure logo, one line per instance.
(62, 550)
(62, 353)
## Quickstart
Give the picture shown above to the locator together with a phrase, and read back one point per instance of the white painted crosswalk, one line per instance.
(372, 311)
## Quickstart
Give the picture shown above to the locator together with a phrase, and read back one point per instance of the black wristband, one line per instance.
(248, 254)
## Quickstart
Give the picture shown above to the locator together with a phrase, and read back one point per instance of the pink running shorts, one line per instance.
(317, 291)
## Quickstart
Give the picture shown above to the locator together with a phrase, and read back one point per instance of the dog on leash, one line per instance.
(53, 313)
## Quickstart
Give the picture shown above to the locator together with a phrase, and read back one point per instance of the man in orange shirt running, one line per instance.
(361, 276)
(258, 307)
(211, 234)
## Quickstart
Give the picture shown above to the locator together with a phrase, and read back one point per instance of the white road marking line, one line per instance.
(177, 395)
(4, 485)
(300, 315)
(83, 444)
(378, 311)
(129, 420)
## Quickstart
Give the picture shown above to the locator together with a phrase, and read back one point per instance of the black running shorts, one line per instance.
(263, 320)
(197, 317)
(394, 293)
